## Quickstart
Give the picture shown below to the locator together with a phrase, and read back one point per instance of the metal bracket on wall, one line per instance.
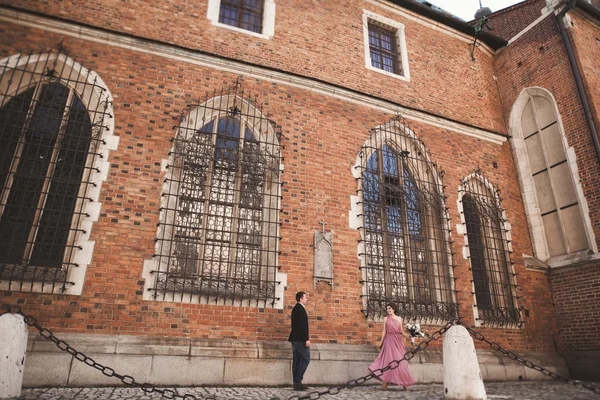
(482, 23)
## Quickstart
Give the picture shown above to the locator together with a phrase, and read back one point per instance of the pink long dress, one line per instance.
(393, 349)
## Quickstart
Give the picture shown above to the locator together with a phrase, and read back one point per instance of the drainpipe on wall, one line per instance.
(570, 4)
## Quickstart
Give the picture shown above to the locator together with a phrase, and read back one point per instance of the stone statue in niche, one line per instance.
(323, 256)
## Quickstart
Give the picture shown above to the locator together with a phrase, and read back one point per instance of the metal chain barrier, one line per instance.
(126, 379)
(513, 356)
(172, 394)
(376, 373)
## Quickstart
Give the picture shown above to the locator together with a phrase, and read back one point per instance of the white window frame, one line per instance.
(268, 22)
(96, 95)
(400, 43)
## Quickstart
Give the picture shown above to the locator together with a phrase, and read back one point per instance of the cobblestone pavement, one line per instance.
(495, 390)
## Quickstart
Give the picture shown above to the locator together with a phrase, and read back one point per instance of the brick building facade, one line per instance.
(184, 241)
(520, 66)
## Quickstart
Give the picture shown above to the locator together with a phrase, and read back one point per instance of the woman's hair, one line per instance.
(393, 306)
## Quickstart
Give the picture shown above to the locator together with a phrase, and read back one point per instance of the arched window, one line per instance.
(406, 250)
(53, 116)
(218, 236)
(488, 251)
(551, 190)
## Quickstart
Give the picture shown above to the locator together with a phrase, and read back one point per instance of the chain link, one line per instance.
(376, 373)
(79, 356)
(172, 394)
(513, 356)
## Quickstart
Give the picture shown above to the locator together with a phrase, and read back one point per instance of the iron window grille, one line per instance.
(219, 230)
(493, 281)
(383, 48)
(406, 257)
(51, 122)
(244, 14)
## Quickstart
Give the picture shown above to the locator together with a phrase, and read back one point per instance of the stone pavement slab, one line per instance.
(529, 390)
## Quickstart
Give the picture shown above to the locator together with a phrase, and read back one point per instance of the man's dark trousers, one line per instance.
(300, 360)
(298, 337)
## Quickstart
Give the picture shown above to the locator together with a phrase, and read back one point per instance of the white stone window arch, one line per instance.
(487, 246)
(218, 235)
(57, 132)
(556, 208)
(404, 248)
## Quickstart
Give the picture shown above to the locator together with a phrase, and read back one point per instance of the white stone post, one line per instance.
(462, 378)
(13, 345)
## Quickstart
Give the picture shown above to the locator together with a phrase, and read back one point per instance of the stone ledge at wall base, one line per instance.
(159, 361)
(584, 365)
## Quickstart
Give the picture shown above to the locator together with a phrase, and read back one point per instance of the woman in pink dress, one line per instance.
(392, 348)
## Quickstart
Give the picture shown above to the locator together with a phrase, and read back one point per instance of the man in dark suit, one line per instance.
(300, 341)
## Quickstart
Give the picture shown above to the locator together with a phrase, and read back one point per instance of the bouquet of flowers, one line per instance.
(415, 331)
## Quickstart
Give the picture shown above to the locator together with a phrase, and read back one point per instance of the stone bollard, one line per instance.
(13, 345)
(462, 378)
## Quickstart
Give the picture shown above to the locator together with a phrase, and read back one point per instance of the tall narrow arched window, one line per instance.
(559, 206)
(53, 117)
(488, 250)
(406, 256)
(554, 201)
(218, 235)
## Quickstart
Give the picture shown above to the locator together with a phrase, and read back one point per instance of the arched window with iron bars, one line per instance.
(218, 235)
(405, 236)
(488, 247)
(53, 116)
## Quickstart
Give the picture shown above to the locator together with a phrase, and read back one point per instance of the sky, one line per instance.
(466, 9)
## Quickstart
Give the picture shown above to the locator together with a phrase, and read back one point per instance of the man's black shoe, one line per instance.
(300, 386)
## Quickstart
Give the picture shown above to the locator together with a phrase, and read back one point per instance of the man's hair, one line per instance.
(299, 296)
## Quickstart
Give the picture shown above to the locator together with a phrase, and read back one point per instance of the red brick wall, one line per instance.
(509, 22)
(585, 38)
(322, 137)
(320, 39)
(518, 67)
(577, 299)
(576, 291)
(539, 59)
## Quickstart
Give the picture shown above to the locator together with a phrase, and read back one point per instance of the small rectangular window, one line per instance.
(385, 46)
(244, 14)
(251, 17)
(383, 49)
